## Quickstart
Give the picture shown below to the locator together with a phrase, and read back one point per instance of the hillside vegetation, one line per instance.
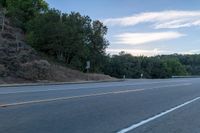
(71, 38)
(21, 41)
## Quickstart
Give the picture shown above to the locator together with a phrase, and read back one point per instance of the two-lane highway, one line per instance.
(155, 106)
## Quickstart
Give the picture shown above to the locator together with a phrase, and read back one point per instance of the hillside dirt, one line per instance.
(20, 63)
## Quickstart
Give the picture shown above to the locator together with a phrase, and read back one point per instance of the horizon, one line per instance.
(143, 28)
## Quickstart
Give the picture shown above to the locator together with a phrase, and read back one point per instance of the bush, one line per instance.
(35, 70)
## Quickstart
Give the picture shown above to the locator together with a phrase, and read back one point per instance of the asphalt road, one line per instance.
(132, 106)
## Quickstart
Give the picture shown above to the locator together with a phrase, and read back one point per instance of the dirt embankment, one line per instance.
(20, 63)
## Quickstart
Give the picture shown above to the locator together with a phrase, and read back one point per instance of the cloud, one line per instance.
(137, 52)
(142, 38)
(164, 19)
(151, 52)
(190, 52)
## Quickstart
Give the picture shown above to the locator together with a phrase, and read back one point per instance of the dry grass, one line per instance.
(63, 74)
(59, 74)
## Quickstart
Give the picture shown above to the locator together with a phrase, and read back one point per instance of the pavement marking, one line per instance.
(126, 91)
(89, 95)
(62, 89)
(65, 98)
(134, 126)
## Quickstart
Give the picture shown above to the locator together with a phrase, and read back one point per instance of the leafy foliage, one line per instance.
(70, 38)
(2, 3)
(150, 67)
(21, 11)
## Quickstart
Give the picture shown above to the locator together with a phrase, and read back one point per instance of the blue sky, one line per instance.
(143, 27)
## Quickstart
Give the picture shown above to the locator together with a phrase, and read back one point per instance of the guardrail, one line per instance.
(190, 76)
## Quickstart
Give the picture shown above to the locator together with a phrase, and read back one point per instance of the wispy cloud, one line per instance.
(138, 52)
(151, 52)
(163, 19)
(142, 38)
(195, 51)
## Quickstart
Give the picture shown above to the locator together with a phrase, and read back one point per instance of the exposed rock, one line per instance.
(3, 71)
(19, 59)
(8, 36)
(34, 70)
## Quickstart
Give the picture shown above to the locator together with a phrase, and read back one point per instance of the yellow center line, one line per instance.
(89, 95)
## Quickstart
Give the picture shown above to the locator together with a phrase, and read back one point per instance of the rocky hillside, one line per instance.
(21, 63)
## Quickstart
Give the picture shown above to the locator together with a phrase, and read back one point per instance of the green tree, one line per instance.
(151, 67)
(21, 11)
(3, 3)
(97, 45)
(70, 38)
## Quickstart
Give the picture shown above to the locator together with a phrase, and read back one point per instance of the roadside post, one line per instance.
(124, 77)
(87, 68)
(141, 76)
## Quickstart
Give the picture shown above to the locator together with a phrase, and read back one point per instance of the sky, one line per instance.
(143, 27)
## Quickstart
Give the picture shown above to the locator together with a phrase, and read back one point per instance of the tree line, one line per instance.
(150, 67)
(72, 39)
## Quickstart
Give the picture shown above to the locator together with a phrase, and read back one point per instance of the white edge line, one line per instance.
(132, 127)
(90, 95)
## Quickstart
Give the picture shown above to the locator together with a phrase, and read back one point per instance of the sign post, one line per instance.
(88, 66)
(124, 77)
(141, 75)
